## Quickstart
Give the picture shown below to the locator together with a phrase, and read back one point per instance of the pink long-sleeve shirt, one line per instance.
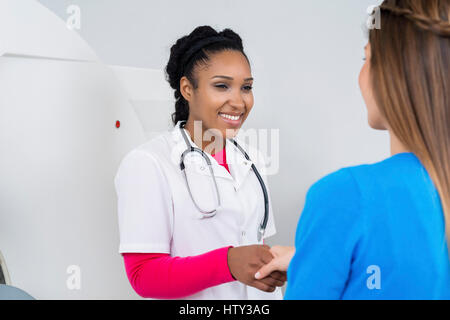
(160, 276)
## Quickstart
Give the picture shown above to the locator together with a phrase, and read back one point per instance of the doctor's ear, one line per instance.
(186, 88)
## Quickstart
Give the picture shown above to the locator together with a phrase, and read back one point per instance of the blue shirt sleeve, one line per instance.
(326, 239)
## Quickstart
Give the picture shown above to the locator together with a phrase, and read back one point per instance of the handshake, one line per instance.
(260, 266)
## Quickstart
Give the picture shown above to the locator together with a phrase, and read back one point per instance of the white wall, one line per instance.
(306, 56)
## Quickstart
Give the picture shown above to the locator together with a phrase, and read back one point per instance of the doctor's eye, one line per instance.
(248, 88)
(221, 86)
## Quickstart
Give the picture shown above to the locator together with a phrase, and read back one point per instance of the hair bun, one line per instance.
(230, 34)
(174, 67)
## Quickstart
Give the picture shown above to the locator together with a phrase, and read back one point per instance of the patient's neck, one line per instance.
(396, 146)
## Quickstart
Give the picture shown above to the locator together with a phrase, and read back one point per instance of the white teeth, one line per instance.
(226, 116)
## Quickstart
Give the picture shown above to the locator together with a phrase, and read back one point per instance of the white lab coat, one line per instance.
(157, 214)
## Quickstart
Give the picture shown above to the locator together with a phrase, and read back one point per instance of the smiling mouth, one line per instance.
(232, 120)
(231, 117)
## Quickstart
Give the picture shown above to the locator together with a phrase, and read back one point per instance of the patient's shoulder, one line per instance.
(337, 183)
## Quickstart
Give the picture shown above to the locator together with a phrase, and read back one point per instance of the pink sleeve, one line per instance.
(160, 276)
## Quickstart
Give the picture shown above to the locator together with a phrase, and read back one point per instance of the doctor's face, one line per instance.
(223, 97)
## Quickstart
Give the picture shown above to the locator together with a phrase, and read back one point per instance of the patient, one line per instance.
(379, 231)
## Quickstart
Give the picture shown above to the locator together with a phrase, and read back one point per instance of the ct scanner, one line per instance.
(61, 143)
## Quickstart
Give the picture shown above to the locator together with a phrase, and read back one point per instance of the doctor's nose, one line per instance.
(237, 102)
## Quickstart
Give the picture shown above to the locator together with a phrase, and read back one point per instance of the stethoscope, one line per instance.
(190, 148)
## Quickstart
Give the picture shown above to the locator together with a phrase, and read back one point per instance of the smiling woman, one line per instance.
(173, 247)
(211, 76)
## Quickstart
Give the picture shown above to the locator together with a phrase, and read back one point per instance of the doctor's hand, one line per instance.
(244, 261)
(282, 258)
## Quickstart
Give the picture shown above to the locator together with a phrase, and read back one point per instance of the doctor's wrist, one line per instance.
(229, 249)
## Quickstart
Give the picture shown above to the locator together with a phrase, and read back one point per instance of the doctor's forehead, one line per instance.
(228, 63)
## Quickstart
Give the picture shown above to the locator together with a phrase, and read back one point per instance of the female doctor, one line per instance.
(193, 213)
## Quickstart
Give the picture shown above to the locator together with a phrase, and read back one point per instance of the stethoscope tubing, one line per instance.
(182, 167)
(263, 225)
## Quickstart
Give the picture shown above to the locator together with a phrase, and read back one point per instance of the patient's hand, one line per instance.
(244, 261)
(280, 262)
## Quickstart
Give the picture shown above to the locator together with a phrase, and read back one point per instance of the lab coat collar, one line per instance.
(237, 163)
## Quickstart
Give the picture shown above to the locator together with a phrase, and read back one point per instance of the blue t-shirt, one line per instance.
(372, 232)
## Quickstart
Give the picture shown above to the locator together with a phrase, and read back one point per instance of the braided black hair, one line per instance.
(192, 50)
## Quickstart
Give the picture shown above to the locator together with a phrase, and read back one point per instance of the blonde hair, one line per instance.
(410, 64)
